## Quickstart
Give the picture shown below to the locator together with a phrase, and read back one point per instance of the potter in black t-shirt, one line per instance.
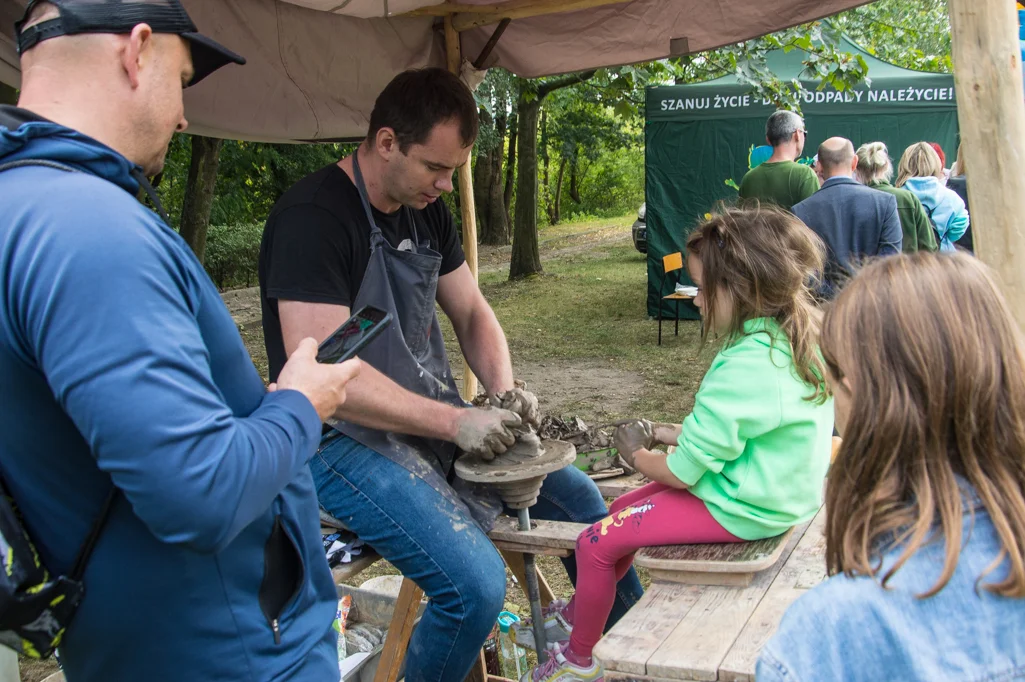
(316, 247)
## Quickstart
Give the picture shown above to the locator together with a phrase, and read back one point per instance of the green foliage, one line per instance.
(614, 185)
(914, 34)
(232, 253)
(251, 178)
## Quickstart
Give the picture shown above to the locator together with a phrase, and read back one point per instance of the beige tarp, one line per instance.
(315, 66)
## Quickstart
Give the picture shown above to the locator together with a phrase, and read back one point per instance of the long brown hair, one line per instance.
(919, 161)
(765, 260)
(936, 369)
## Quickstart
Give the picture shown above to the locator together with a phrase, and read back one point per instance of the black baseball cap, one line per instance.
(121, 16)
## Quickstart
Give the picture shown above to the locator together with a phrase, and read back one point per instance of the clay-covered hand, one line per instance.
(486, 431)
(633, 436)
(520, 401)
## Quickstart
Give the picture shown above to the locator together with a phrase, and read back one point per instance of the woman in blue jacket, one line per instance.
(921, 172)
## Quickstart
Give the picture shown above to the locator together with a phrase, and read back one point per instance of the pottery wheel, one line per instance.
(517, 475)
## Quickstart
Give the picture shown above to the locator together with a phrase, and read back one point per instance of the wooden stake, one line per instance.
(991, 114)
(399, 632)
(465, 200)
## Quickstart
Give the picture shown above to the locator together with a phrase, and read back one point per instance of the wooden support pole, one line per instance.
(399, 631)
(465, 200)
(991, 115)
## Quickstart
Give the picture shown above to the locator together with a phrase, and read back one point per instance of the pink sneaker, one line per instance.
(558, 669)
(557, 627)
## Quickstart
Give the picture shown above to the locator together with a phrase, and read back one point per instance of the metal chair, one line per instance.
(672, 262)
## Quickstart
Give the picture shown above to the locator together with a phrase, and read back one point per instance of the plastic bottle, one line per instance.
(514, 658)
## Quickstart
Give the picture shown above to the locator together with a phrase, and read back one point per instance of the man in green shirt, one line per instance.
(781, 180)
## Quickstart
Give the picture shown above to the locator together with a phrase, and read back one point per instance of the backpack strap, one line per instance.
(78, 569)
(46, 163)
(144, 183)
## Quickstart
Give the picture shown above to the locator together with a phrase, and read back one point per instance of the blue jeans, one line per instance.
(440, 548)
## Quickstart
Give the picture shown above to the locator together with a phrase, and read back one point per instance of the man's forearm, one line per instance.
(485, 348)
(375, 401)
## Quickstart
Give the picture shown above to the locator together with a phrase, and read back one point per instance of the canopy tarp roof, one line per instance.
(316, 66)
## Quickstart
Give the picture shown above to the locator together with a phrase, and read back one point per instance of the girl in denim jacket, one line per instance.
(925, 536)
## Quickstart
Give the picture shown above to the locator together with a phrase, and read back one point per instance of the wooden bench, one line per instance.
(681, 631)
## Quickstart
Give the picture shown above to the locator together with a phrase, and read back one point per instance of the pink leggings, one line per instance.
(653, 515)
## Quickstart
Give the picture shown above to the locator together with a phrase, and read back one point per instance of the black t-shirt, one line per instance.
(316, 247)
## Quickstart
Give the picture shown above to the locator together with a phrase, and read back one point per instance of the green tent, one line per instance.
(698, 137)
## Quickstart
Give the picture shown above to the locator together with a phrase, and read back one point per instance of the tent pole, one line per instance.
(991, 115)
(469, 210)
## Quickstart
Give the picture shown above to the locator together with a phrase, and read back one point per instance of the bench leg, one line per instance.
(399, 632)
(514, 560)
(479, 671)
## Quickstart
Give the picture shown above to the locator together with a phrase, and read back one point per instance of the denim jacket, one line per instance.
(851, 629)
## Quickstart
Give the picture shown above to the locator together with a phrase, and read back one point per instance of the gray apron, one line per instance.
(411, 352)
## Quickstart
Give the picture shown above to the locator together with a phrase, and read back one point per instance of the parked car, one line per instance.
(640, 230)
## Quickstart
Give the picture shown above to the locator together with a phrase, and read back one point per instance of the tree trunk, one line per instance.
(545, 195)
(557, 202)
(496, 203)
(491, 203)
(8, 95)
(199, 193)
(526, 259)
(574, 188)
(482, 181)
(510, 167)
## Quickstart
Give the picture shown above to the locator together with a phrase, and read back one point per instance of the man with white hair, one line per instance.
(133, 407)
(781, 180)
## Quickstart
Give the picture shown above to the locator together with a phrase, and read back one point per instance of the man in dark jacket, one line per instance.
(853, 220)
(124, 371)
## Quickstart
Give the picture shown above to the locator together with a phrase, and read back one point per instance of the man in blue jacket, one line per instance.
(122, 367)
(853, 220)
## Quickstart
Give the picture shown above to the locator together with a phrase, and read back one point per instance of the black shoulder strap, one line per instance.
(78, 569)
(56, 165)
(46, 163)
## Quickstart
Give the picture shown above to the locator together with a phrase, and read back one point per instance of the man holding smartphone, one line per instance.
(371, 231)
(124, 371)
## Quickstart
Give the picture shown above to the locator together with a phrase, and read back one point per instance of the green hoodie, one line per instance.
(919, 234)
(753, 449)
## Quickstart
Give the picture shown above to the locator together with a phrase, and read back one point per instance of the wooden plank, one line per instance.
(805, 568)
(554, 534)
(606, 474)
(615, 676)
(615, 487)
(701, 578)
(516, 547)
(988, 81)
(345, 572)
(627, 647)
(702, 639)
(479, 671)
(399, 632)
(728, 557)
(514, 560)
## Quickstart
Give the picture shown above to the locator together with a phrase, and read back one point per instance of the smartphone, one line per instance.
(353, 336)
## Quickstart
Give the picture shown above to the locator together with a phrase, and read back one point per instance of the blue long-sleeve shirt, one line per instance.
(121, 364)
(945, 208)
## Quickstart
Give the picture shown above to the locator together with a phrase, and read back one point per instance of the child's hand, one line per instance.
(633, 436)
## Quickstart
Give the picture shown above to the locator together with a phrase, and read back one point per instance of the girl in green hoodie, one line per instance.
(750, 459)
